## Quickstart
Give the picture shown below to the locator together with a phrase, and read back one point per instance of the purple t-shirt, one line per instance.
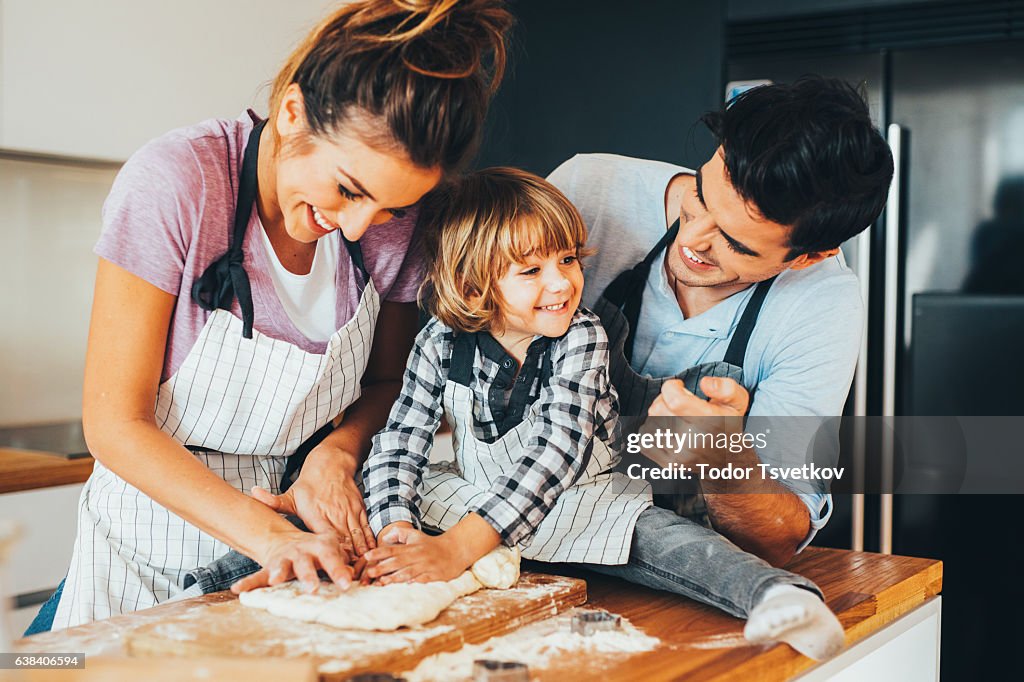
(170, 214)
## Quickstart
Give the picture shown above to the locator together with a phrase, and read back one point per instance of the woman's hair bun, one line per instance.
(439, 38)
(426, 68)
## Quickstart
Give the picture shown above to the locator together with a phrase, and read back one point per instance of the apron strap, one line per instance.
(355, 252)
(620, 291)
(298, 458)
(737, 349)
(463, 353)
(225, 279)
(634, 296)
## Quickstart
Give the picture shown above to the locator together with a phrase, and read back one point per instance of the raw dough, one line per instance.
(386, 607)
(371, 607)
(499, 569)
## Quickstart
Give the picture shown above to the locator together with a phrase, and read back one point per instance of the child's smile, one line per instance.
(540, 297)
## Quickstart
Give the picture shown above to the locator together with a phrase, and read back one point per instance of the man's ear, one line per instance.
(806, 260)
(291, 116)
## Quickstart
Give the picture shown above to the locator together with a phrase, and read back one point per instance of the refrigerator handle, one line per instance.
(891, 336)
(860, 395)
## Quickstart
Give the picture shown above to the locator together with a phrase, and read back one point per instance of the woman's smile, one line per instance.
(318, 224)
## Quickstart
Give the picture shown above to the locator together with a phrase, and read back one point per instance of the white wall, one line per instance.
(49, 221)
(99, 79)
(82, 80)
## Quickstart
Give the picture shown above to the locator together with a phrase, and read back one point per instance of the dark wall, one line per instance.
(745, 10)
(608, 76)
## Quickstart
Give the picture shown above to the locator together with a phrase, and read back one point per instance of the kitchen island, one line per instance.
(889, 606)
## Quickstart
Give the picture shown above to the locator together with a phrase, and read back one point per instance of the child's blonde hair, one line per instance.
(476, 227)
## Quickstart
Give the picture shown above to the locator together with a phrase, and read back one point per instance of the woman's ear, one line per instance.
(291, 116)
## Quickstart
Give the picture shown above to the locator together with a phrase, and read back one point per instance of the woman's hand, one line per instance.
(301, 555)
(407, 555)
(326, 498)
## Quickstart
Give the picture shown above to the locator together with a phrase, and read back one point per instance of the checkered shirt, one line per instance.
(575, 405)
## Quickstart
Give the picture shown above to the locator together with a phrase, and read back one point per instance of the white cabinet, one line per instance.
(48, 521)
(99, 79)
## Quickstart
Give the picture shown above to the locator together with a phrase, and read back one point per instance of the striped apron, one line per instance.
(592, 520)
(241, 402)
(619, 310)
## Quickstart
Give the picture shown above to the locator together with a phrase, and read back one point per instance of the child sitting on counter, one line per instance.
(520, 372)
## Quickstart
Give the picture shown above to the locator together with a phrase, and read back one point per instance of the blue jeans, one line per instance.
(43, 622)
(222, 573)
(673, 553)
(669, 552)
(228, 569)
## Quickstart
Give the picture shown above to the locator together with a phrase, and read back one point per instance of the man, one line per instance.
(799, 170)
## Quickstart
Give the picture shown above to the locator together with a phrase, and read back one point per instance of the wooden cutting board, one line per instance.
(230, 629)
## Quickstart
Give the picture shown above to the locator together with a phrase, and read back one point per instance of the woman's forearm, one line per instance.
(152, 461)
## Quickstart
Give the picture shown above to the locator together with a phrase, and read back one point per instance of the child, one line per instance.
(520, 372)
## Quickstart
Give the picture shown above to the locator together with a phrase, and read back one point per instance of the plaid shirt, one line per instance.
(575, 405)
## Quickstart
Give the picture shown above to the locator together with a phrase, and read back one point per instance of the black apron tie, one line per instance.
(737, 349)
(225, 279)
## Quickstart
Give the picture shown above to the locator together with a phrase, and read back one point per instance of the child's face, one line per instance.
(541, 295)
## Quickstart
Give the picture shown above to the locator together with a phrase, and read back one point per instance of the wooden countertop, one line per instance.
(30, 469)
(867, 591)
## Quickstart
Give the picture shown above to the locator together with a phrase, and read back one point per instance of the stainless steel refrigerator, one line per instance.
(942, 274)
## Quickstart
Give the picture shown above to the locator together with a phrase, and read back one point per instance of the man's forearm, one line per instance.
(759, 515)
(770, 525)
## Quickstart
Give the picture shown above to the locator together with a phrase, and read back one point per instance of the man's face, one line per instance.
(723, 240)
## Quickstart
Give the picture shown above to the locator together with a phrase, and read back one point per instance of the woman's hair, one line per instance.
(426, 69)
(476, 227)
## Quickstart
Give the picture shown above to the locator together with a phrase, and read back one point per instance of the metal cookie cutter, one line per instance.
(485, 670)
(588, 622)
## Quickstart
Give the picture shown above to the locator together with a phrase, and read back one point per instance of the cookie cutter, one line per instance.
(588, 622)
(486, 670)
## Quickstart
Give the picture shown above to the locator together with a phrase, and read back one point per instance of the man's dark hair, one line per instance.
(806, 155)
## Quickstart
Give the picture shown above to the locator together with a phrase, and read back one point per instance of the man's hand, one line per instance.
(722, 413)
(300, 555)
(726, 398)
(326, 498)
(405, 555)
(769, 525)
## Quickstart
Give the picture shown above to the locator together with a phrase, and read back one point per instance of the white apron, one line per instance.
(592, 521)
(242, 405)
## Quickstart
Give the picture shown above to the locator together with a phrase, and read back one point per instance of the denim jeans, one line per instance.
(669, 552)
(228, 569)
(222, 573)
(673, 553)
(43, 622)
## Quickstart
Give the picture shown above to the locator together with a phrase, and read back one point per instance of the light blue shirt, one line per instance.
(803, 350)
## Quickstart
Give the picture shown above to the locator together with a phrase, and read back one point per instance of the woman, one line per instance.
(257, 279)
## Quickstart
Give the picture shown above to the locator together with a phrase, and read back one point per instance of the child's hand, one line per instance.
(406, 555)
(384, 537)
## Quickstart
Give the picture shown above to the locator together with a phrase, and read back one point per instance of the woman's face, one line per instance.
(341, 182)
